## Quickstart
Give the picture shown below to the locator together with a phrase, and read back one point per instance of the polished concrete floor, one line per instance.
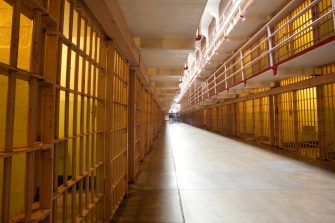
(192, 175)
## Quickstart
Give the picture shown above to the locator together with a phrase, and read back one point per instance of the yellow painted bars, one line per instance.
(300, 120)
(147, 121)
(63, 115)
(288, 34)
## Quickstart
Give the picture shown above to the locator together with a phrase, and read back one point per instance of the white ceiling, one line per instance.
(162, 17)
(164, 58)
(171, 22)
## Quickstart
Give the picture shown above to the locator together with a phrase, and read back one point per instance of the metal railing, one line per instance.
(224, 26)
(267, 49)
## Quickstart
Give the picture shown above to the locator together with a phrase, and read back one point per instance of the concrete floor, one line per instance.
(192, 176)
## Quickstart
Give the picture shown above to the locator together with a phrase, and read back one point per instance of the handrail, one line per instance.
(285, 41)
(281, 43)
(223, 26)
(206, 86)
(227, 21)
(264, 29)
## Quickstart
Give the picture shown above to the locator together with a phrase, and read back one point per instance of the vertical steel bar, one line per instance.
(321, 121)
(242, 65)
(296, 131)
(270, 44)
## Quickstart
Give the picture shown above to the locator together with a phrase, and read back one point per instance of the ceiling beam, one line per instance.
(157, 78)
(164, 91)
(165, 43)
(167, 102)
(167, 85)
(166, 96)
(156, 71)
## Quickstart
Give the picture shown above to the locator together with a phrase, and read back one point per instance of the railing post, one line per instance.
(194, 100)
(198, 96)
(215, 91)
(270, 55)
(225, 77)
(207, 89)
(333, 8)
(242, 65)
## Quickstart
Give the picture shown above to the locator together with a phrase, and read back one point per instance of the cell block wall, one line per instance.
(63, 115)
(265, 96)
(148, 119)
(78, 148)
(299, 28)
(299, 120)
